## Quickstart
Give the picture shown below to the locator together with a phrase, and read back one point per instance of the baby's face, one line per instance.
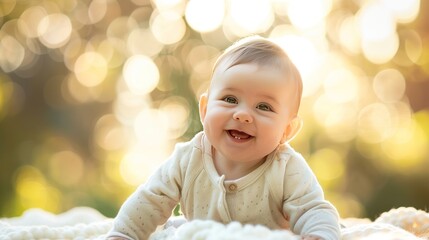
(248, 110)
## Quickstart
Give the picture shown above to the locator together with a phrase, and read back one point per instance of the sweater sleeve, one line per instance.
(304, 204)
(152, 203)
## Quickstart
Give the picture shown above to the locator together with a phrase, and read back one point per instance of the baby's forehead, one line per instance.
(257, 70)
(267, 60)
(253, 70)
(254, 78)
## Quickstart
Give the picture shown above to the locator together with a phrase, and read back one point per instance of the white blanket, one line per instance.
(87, 223)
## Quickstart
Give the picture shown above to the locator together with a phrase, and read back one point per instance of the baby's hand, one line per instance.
(310, 238)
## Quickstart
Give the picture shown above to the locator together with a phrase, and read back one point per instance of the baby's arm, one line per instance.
(151, 204)
(309, 213)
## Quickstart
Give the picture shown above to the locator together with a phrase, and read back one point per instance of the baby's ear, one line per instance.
(203, 106)
(292, 129)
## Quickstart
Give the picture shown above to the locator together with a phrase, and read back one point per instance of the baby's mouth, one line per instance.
(239, 134)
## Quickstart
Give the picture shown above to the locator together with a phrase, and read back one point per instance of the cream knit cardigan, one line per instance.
(282, 193)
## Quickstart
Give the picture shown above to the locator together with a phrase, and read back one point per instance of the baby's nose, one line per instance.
(243, 116)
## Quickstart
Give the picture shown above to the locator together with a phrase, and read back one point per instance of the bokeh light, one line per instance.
(389, 85)
(11, 53)
(257, 17)
(95, 94)
(168, 27)
(205, 15)
(141, 74)
(66, 167)
(54, 30)
(303, 17)
(90, 69)
(33, 190)
(109, 134)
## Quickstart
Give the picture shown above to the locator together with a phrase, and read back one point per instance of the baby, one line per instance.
(240, 168)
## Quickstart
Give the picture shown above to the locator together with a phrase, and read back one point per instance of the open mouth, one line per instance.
(239, 135)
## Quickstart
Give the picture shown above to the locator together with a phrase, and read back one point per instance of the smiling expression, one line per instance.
(247, 112)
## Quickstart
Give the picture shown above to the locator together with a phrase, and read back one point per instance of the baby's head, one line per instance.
(265, 54)
(252, 104)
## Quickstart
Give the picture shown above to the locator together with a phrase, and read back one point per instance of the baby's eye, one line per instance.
(264, 107)
(230, 99)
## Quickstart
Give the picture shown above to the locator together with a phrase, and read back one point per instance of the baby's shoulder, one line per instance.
(188, 154)
(285, 153)
(186, 147)
(290, 163)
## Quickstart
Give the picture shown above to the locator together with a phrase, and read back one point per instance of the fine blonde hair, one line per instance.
(264, 53)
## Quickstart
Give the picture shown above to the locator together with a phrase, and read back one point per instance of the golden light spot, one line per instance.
(54, 30)
(112, 163)
(348, 36)
(341, 86)
(109, 134)
(403, 11)
(111, 54)
(72, 50)
(304, 54)
(205, 15)
(257, 17)
(97, 10)
(327, 165)
(407, 148)
(375, 123)
(66, 167)
(375, 23)
(34, 192)
(128, 105)
(137, 166)
(303, 17)
(280, 7)
(346, 204)
(389, 85)
(201, 59)
(151, 46)
(151, 127)
(11, 53)
(6, 6)
(177, 6)
(90, 69)
(140, 74)
(73, 91)
(177, 111)
(321, 107)
(119, 29)
(380, 51)
(168, 28)
(379, 40)
(340, 122)
(29, 21)
(413, 45)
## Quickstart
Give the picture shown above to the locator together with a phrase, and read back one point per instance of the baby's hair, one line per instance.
(264, 53)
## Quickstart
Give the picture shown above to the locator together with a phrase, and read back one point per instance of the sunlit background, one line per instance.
(94, 94)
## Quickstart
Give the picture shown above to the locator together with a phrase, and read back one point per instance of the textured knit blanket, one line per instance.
(87, 223)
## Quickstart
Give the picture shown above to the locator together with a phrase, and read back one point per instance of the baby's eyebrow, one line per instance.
(270, 98)
(231, 89)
